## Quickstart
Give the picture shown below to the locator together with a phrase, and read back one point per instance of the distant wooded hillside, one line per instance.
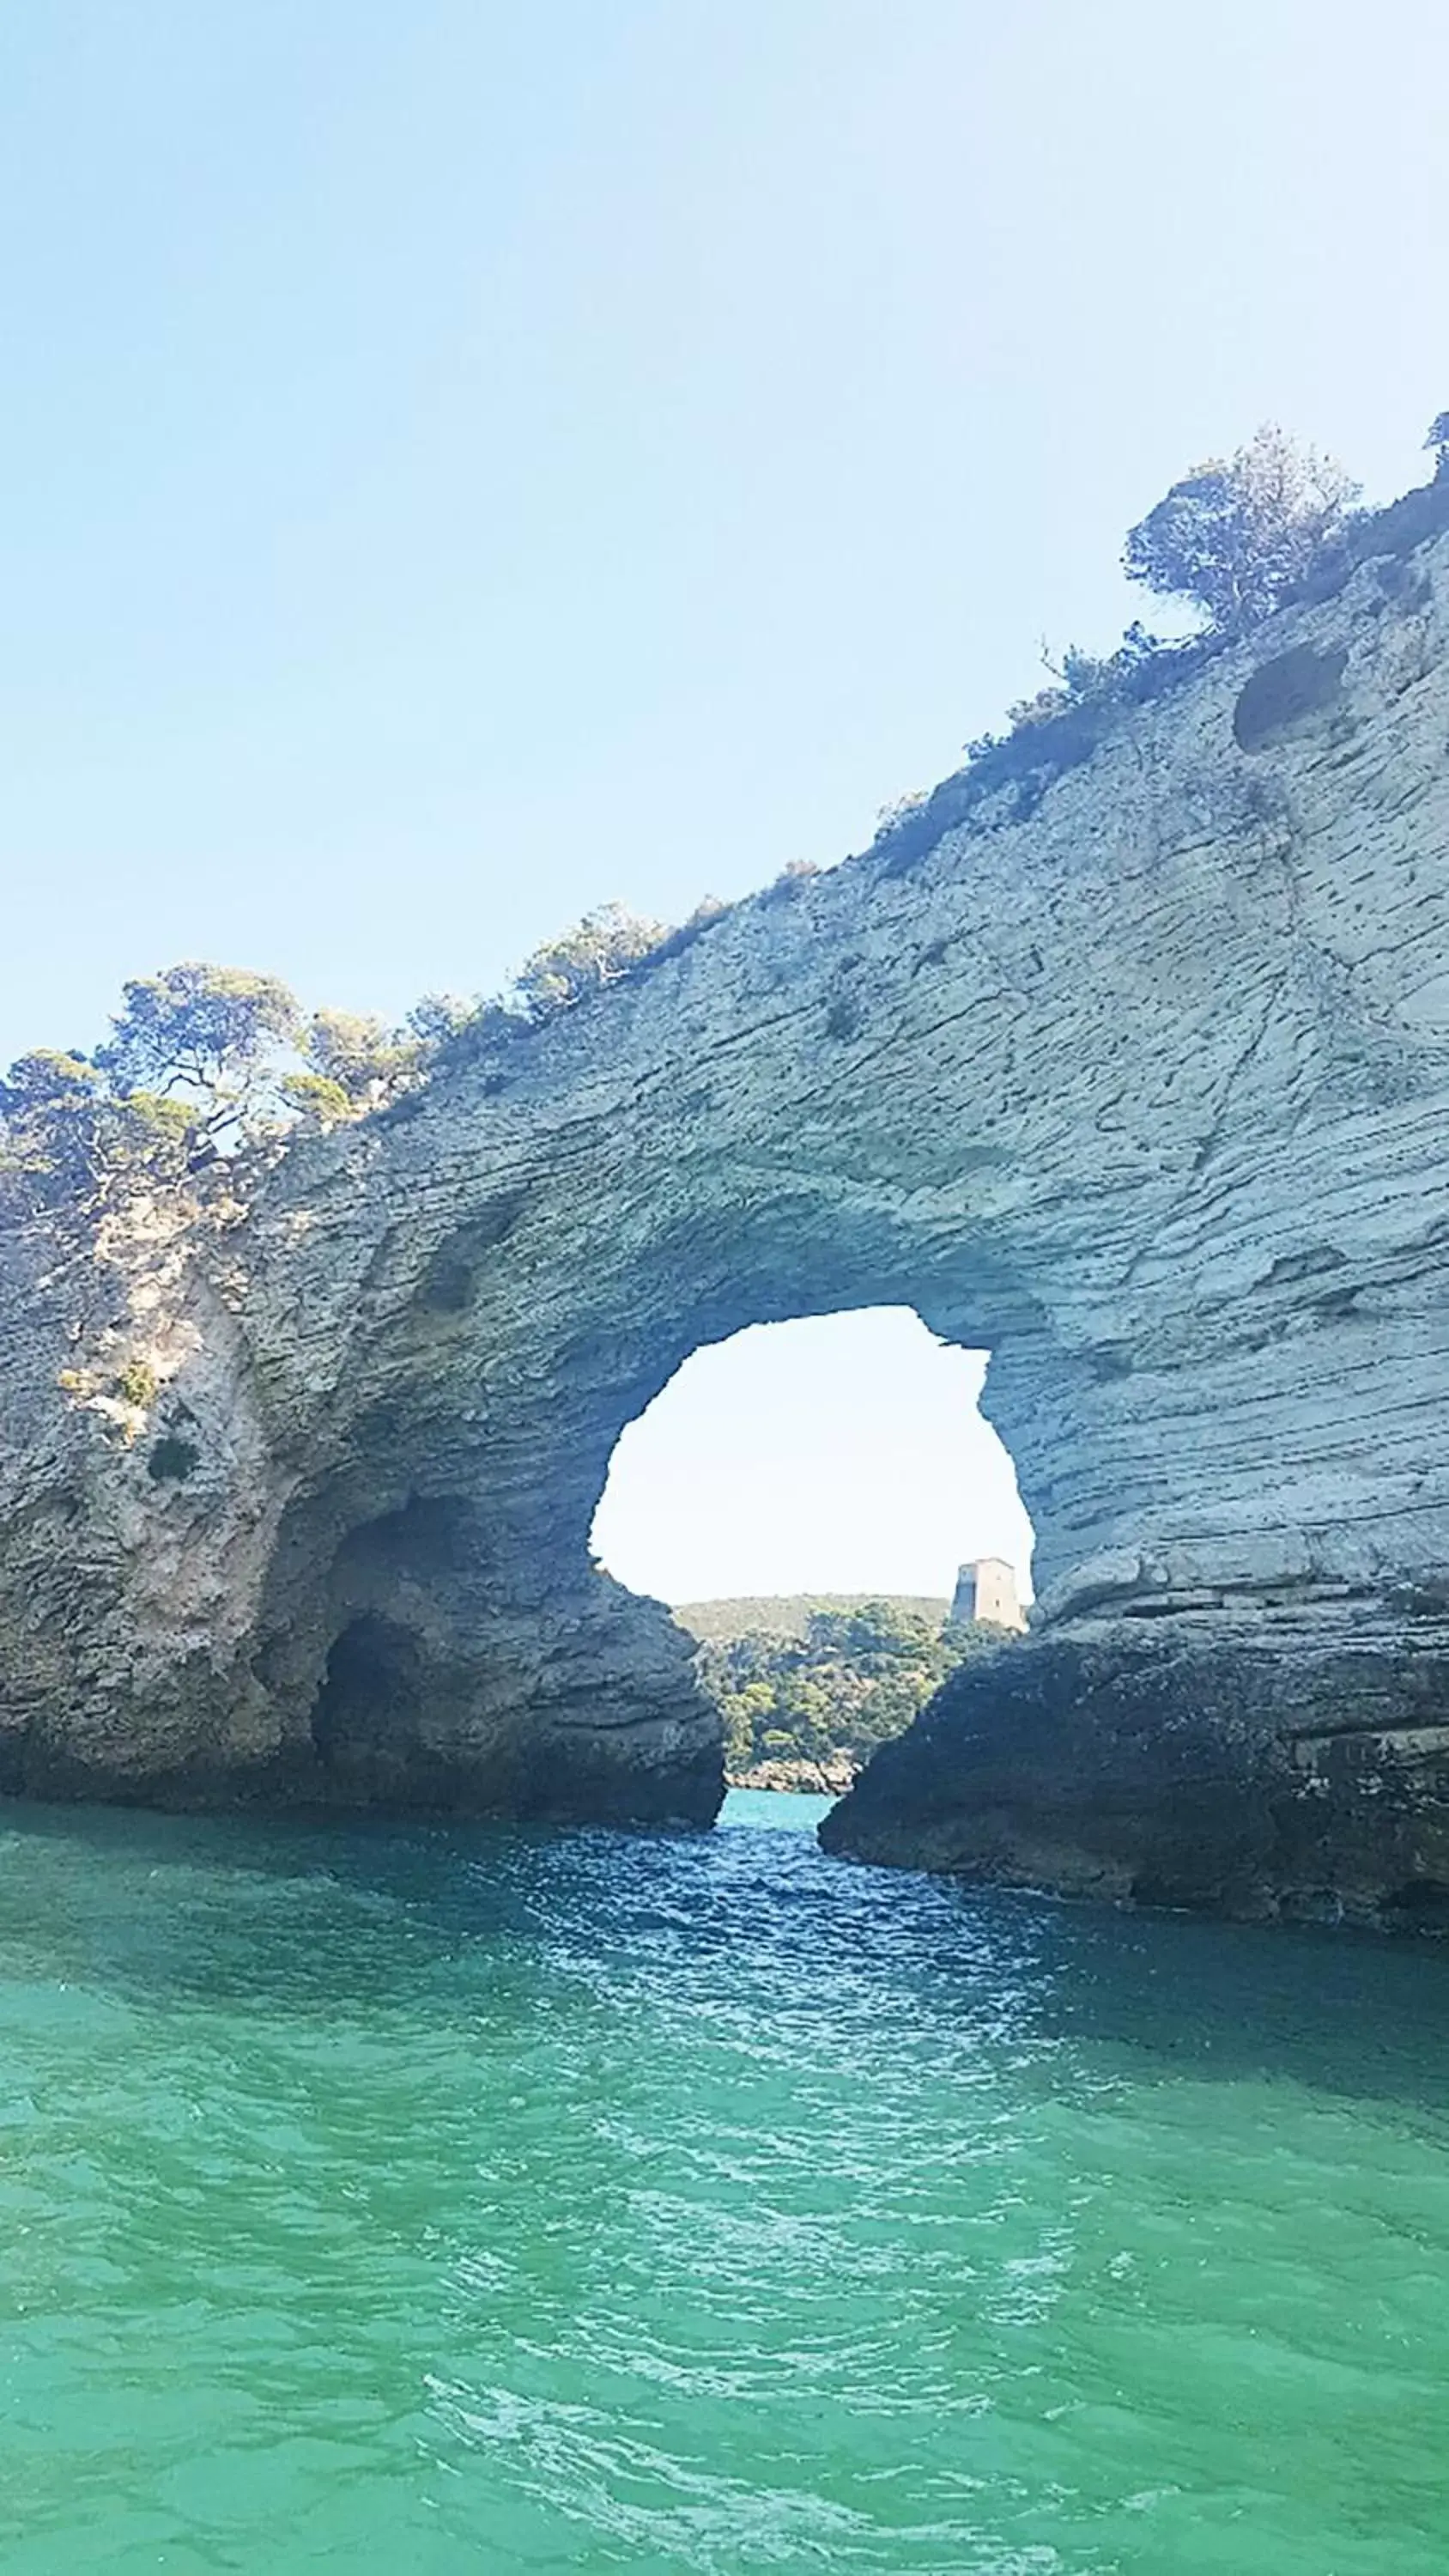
(808, 1684)
(788, 1614)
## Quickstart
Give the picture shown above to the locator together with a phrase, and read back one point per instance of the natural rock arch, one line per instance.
(1138, 1077)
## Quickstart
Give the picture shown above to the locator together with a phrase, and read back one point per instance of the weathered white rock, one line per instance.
(1139, 1076)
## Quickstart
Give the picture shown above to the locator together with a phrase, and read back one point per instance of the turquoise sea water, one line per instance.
(430, 2199)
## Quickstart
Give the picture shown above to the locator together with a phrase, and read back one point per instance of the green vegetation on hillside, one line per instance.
(828, 1685)
(788, 1614)
(204, 1066)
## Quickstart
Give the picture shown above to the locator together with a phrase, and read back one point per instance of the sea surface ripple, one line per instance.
(420, 2198)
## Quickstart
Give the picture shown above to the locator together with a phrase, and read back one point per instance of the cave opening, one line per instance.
(370, 1695)
(378, 1680)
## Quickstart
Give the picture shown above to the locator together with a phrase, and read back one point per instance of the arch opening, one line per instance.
(834, 1453)
(813, 1500)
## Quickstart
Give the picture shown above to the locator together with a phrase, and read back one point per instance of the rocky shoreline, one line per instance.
(808, 1779)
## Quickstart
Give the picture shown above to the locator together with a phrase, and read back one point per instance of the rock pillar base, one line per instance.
(1287, 1766)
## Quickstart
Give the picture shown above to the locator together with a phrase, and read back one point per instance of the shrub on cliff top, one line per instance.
(51, 1103)
(360, 1056)
(1233, 536)
(208, 1035)
(1081, 679)
(195, 1068)
(439, 1017)
(66, 1137)
(204, 1062)
(1437, 443)
(597, 951)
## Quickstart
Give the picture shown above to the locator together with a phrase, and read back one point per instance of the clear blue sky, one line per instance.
(460, 463)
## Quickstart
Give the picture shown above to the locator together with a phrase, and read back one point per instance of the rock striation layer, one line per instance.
(1137, 1075)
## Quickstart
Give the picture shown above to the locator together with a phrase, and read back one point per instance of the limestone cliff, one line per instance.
(1136, 1075)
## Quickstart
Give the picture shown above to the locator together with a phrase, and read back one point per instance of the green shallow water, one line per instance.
(429, 2199)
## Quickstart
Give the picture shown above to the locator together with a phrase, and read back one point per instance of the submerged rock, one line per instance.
(1136, 1074)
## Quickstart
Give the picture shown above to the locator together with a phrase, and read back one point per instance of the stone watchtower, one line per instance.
(986, 1591)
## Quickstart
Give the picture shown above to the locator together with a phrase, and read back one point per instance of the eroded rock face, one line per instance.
(1139, 1079)
(1288, 1762)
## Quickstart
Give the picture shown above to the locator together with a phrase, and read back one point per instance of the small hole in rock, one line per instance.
(172, 1459)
